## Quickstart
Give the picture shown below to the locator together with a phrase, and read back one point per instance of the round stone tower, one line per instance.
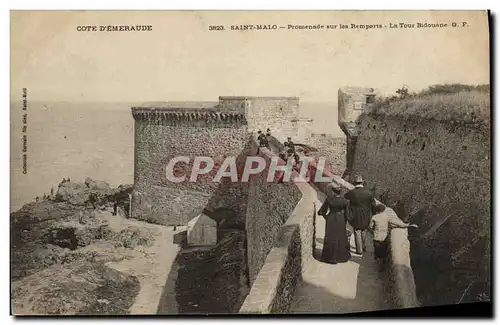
(163, 132)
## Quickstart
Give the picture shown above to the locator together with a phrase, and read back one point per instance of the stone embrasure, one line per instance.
(187, 114)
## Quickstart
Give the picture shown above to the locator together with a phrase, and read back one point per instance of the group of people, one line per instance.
(264, 139)
(288, 149)
(46, 197)
(358, 208)
(64, 180)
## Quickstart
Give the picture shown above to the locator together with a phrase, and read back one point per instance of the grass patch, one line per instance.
(456, 102)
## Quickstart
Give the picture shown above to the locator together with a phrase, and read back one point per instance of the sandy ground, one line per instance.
(151, 264)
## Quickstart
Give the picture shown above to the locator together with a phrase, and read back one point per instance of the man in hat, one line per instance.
(260, 135)
(361, 205)
(263, 142)
(289, 143)
(268, 137)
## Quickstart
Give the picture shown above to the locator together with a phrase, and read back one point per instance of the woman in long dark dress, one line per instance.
(336, 244)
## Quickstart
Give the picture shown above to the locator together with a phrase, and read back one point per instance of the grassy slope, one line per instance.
(443, 103)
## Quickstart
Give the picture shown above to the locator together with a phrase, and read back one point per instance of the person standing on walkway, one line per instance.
(260, 135)
(289, 143)
(268, 138)
(361, 205)
(263, 142)
(292, 150)
(336, 243)
(285, 153)
(380, 224)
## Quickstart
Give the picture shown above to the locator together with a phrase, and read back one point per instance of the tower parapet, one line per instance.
(352, 102)
(175, 115)
(164, 131)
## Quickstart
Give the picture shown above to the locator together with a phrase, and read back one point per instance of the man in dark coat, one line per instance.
(268, 138)
(289, 143)
(361, 205)
(260, 135)
(263, 140)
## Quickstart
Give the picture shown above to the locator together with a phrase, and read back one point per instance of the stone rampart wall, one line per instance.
(289, 253)
(269, 206)
(436, 174)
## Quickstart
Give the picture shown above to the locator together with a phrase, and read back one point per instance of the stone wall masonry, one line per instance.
(269, 205)
(160, 136)
(401, 277)
(333, 149)
(275, 113)
(281, 273)
(440, 177)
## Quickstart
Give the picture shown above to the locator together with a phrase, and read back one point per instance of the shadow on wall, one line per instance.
(208, 279)
(228, 204)
(454, 277)
(462, 279)
(291, 274)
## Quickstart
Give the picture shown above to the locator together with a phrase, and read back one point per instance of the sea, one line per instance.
(96, 140)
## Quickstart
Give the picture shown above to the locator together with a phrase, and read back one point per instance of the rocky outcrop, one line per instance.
(77, 289)
(52, 231)
(93, 193)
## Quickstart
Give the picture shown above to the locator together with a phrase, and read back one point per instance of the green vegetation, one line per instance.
(440, 102)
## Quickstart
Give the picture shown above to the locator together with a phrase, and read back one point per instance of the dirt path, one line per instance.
(151, 265)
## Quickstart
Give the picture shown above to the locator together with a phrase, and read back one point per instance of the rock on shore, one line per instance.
(59, 247)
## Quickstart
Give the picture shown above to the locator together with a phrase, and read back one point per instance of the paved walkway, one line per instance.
(354, 286)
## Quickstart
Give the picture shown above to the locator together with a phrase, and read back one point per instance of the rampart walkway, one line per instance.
(354, 286)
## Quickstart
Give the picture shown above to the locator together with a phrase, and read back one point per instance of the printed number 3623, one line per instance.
(213, 27)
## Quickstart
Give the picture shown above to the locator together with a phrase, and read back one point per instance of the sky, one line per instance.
(180, 59)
